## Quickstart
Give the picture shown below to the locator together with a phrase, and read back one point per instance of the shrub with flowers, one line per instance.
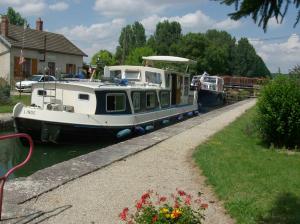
(152, 208)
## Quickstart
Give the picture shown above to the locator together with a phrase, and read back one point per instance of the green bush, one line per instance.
(278, 117)
(4, 92)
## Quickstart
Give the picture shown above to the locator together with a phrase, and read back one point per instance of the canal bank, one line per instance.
(118, 174)
(6, 121)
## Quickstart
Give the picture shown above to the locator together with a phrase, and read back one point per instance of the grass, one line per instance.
(8, 108)
(257, 184)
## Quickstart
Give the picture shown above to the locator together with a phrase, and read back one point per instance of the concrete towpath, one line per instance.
(101, 195)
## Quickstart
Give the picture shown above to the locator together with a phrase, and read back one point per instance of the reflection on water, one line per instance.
(12, 152)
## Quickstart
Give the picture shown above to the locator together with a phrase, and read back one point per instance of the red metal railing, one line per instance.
(4, 178)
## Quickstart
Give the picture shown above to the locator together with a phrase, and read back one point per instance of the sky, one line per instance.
(95, 25)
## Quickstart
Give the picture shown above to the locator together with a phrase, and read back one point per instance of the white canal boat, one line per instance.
(134, 99)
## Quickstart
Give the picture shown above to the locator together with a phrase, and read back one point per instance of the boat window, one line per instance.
(210, 79)
(115, 102)
(186, 86)
(132, 75)
(42, 92)
(153, 77)
(136, 100)
(83, 97)
(116, 74)
(165, 98)
(168, 80)
(150, 100)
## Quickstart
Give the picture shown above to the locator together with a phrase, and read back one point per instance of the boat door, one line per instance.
(174, 88)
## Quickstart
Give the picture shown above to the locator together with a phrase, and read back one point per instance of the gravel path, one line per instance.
(100, 196)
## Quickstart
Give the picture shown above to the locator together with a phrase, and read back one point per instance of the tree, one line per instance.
(247, 62)
(166, 34)
(135, 56)
(262, 11)
(102, 58)
(131, 37)
(15, 18)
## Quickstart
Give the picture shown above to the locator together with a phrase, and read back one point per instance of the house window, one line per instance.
(71, 69)
(51, 66)
(165, 98)
(115, 102)
(153, 77)
(136, 100)
(83, 97)
(150, 100)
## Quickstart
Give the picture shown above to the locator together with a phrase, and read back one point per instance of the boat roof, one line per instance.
(98, 85)
(171, 59)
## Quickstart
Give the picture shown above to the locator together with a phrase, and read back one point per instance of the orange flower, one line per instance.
(205, 206)
(154, 219)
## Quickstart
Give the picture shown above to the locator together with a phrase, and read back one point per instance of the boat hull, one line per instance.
(42, 125)
(209, 98)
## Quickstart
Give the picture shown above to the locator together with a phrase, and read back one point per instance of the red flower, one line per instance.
(205, 206)
(139, 205)
(145, 197)
(187, 200)
(181, 192)
(154, 219)
(162, 199)
(123, 214)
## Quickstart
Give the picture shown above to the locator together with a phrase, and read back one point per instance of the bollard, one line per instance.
(4, 178)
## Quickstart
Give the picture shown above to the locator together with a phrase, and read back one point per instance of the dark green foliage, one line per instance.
(131, 37)
(262, 11)
(135, 56)
(4, 92)
(15, 17)
(279, 112)
(166, 35)
(247, 62)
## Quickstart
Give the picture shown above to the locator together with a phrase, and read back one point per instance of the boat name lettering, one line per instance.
(31, 112)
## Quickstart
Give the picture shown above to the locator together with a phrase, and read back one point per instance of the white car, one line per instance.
(25, 86)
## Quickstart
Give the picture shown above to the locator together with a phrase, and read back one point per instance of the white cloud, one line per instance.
(96, 36)
(135, 8)
(191, 22)
(59, 6)
(227, 24)
(284, 55)
(33, 7)
(273, 24)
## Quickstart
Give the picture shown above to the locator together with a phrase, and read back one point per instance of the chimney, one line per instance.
(39, 24)
(4, 26)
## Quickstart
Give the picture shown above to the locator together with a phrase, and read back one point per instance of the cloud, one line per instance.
(284, 55)
(30, 8)
(227, 24)
(59, 6)
(191, 22)
(96, 36)
(136, 8)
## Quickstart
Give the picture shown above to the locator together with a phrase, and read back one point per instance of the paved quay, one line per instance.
(95, 187)
(6, 121)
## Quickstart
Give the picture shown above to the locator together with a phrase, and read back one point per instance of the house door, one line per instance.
(51, 66)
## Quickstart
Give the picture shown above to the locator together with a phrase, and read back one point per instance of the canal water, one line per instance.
(13, 152)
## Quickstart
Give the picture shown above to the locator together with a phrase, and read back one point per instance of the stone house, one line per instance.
(24, 52)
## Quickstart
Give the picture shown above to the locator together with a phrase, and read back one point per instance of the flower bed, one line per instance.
(179, 208)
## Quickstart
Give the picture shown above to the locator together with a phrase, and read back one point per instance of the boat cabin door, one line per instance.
(176, 89)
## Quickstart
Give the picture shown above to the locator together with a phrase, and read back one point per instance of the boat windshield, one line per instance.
(132, 75)
(115, 74)
(210, 79)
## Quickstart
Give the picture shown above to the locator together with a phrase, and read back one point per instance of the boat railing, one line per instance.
(9, 172)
